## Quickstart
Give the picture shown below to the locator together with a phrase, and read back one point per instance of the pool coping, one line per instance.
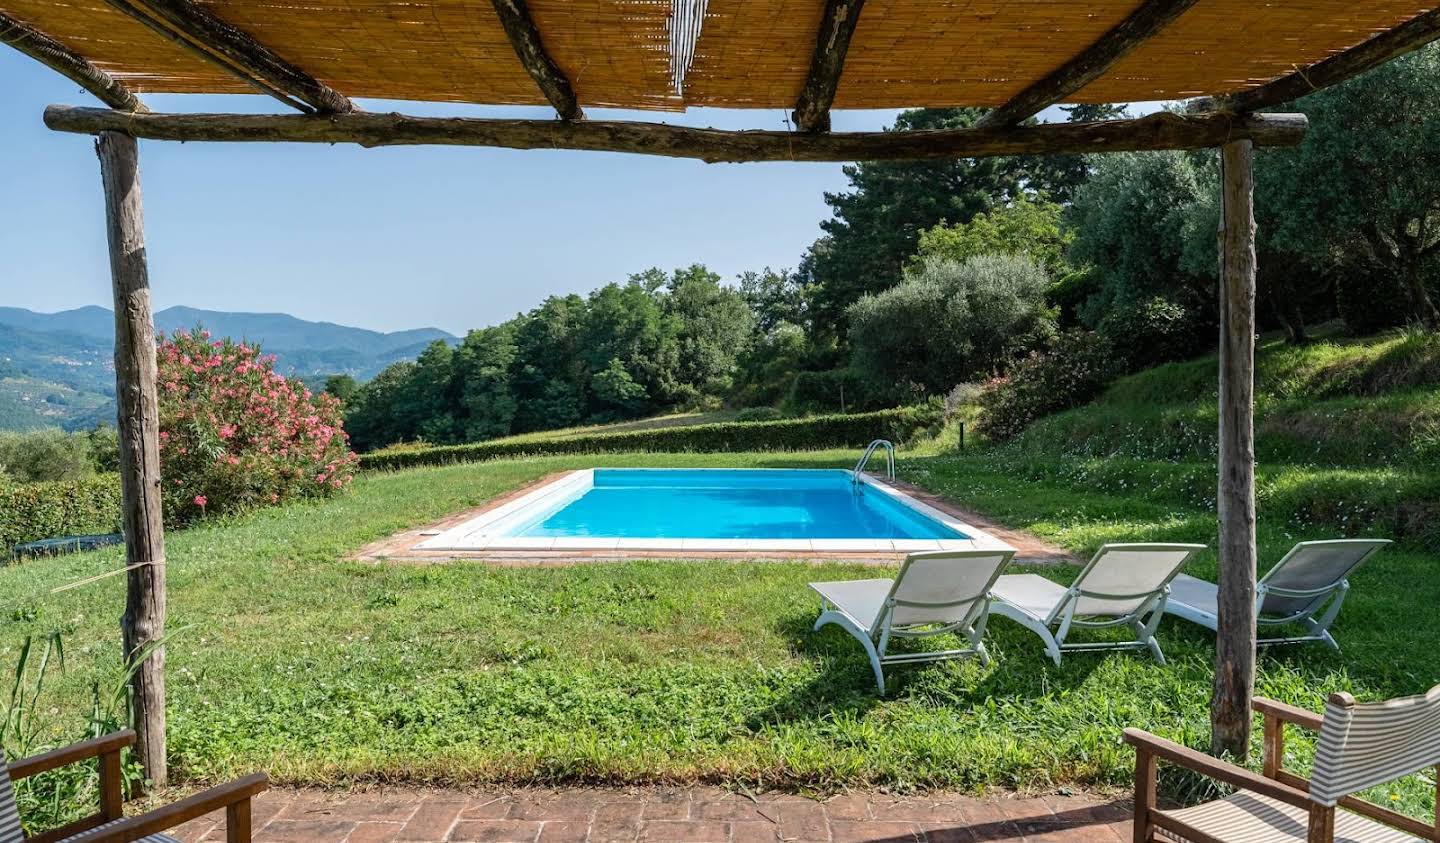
(468, 535)
(399, 548)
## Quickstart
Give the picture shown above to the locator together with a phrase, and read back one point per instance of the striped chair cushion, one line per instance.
(1363, 745)
(1251, 818)
(10, 818)
(95, 832)
(9, 813)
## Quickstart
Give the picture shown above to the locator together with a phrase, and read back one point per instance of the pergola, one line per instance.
(1018, 58)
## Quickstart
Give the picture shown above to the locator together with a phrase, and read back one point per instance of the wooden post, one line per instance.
(1145, 770)
(139, 428)
(1235, 636)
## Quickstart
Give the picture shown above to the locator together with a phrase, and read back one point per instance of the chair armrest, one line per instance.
(1215, 768)
(162, 819)
(70, 754)
(1290, 714)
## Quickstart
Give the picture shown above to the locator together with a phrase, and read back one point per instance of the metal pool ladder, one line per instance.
(870, 451)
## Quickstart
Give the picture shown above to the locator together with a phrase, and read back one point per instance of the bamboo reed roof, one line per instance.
(657, 54)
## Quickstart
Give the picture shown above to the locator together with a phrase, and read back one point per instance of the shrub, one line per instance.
(1371, 300)
(1154, 331)
(234, 435)
(759, 414)
(962, 396)
(33, 511)
(838, 390)
(1071, 372)
(950, 321)
(837, 431)
(1070, 292)
(46, 455)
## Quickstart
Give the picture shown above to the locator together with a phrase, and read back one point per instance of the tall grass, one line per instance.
(27, 728)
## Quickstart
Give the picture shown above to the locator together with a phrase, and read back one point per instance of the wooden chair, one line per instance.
(109, 824)
(1361, 746)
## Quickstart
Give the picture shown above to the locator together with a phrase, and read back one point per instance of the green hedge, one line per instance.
(31, 511)
(838, 431)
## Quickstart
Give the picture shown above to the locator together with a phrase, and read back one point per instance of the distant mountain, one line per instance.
(56, 368)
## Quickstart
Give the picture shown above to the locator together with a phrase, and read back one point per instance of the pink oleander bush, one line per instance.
(1074, 369)
(235, 435)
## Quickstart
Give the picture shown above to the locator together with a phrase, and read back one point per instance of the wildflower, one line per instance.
(200, 501)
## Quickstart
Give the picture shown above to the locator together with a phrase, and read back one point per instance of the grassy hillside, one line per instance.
(1347, 444)
(1336, 402)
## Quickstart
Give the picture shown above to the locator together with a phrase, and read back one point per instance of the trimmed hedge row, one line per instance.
(836, 431)
(31, 511)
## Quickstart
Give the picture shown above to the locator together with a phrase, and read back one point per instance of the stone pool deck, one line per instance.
(670, 815)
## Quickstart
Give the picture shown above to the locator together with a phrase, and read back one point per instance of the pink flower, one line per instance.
(200, 501)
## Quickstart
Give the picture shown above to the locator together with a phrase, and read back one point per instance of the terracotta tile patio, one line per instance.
(669, 815)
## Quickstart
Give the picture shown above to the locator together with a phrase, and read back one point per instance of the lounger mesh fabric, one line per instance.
(1247, 817)
(942, 579)
(1125, 571)
(9, 813)
(1311, 566)
(1366, 744)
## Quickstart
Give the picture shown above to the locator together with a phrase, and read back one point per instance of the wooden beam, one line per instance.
(1090, 64)
(812, 110)
(61, 59)
(1234, 684)
(525, 38)
(1393, 43)
(1161, 130)
(143, 625)
(196, 28)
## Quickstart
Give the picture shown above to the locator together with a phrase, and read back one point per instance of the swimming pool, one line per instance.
(713, 509)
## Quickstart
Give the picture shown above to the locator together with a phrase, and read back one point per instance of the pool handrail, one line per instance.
(889, 447)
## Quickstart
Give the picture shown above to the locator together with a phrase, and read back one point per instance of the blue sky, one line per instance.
(386, 238)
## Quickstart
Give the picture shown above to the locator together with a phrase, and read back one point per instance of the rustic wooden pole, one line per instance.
(1407, 37)
(195, 27)
(1235, 635)
(837, 25)
(1161, 130)
(139, 428)
(61, 59)
(1143, 24)
(524, 36)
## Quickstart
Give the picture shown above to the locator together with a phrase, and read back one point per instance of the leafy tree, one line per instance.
(627, 322)
(776, 298)
(951, 321)
(483, 367)
(1057, 177)
(1145, 227)
(617, 394)
(877, 222)
(1130, 222)
(341, 386)
(44, 455)
(769, 366)
(549, 367)
(1023, 226)
(427, 404)
(1362, 192)
(713, 328)
(369, 416)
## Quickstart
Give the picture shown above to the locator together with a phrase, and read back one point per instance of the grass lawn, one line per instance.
(325, 671)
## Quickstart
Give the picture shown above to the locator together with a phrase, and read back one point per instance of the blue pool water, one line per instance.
(730, 504)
